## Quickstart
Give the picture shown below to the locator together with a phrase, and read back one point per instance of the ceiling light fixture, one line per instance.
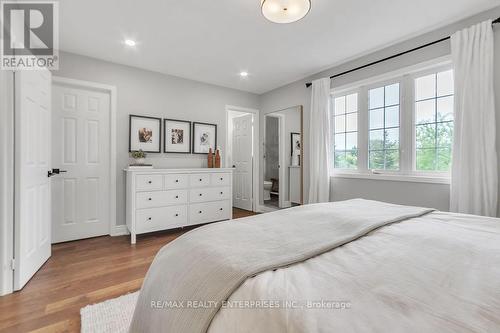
(285, 11)
(244, 74)
(130, 42)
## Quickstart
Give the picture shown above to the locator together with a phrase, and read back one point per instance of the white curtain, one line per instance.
(319, 142)
(474, 179)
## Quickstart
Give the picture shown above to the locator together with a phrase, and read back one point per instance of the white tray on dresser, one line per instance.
(161, 199)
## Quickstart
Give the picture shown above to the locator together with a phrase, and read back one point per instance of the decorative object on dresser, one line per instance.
(177, 136)
(144, 134)
(161, 199)
(204, 137)
(217, 159)
(139, 157)
(210, 158)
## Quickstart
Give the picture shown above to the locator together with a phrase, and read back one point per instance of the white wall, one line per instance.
(148, 93)
(435, 195)
(6, 179)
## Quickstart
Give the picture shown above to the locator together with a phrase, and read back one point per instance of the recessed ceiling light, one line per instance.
(244, 74)
(130, 42)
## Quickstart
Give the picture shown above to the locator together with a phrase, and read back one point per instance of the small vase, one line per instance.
(217, 159)
(140, 161)
(210, 158)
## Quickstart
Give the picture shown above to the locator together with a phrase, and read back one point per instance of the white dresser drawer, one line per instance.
(209, 194)
(154, 219)
(176, 181)
(160, 198)
(209, 212)
(197, 180)
(149, 182)
(221, 179)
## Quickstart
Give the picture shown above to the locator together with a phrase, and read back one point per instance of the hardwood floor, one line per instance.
(81, 273)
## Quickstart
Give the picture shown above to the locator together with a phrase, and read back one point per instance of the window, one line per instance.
(434, 121)
(384, 127)
(400, 125)
(346, 131)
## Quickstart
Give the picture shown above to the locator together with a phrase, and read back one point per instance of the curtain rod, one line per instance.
(497, 21)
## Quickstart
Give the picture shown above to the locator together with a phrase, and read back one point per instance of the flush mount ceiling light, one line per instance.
(130, 42)
(285, 11)
(244, 74)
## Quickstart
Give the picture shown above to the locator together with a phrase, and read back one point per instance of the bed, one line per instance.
(351, 266)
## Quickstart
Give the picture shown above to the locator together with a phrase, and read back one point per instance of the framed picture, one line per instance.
(177, 137)
(204, 137)
(145, 134)
(295, 144)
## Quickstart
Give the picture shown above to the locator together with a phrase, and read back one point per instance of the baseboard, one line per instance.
(119, 230)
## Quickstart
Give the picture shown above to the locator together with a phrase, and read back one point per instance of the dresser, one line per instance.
(161, 199)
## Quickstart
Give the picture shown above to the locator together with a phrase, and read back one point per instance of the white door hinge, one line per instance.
(13, 264)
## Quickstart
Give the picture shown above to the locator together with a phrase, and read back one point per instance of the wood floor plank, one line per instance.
(80, 273)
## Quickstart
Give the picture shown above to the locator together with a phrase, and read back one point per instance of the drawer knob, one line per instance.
(221, 193)
(149, 219)
(222, 178)
(150, 182)
(177, 197)
(200, 212)
(149, 199)
(177, 180)
(201, 194)
(176, 215)
(221, 209)
(200, 179)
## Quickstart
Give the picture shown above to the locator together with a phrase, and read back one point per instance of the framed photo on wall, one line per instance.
(145, 134)
(204, 137)
(177, 137)
(295, 144)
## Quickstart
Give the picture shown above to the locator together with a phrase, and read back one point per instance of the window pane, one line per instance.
(445, 135)
(392, 116)
(377, 140)
(340, 141)
(352, 103)
(340, 105)
(443, 162)
(426, 159)
(352, 122)
(376, 159)
(339, 124)
(392, 138)
(392, 159)
(426, 136)
(351, 159)
(445, 108)
(351, 141)
(376, 118)
(340, 159)
(425, 112)
(445, 83)
(392, 94)
(377, 98)
(425, 87)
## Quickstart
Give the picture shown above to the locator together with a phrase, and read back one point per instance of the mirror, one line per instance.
(282, 159)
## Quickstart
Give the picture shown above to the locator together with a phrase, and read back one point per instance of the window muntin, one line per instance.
(345, 110)
(434, 121)
(384, 122)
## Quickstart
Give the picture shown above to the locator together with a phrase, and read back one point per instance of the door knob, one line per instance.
(55, 172)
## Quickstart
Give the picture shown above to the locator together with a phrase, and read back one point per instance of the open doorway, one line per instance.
(242, 146)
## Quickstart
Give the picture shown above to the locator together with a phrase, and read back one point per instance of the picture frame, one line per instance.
(295, 143)
(176, 136)
(204, 137)
(144, 134)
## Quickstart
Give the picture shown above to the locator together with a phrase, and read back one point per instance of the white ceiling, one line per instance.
(213, 40)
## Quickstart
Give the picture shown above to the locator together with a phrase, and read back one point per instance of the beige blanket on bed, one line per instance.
(191, 277)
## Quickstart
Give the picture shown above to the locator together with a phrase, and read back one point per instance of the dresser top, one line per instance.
(173, 170)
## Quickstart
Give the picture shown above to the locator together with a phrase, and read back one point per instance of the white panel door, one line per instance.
(32, 198)
(81, 147)
(242, 160)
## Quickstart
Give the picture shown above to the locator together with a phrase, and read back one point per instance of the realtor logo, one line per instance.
(30, 35)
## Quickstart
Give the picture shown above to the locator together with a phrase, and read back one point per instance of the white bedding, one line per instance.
(435, 273)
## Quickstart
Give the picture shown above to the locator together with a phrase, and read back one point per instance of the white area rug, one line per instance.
(111, 316)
